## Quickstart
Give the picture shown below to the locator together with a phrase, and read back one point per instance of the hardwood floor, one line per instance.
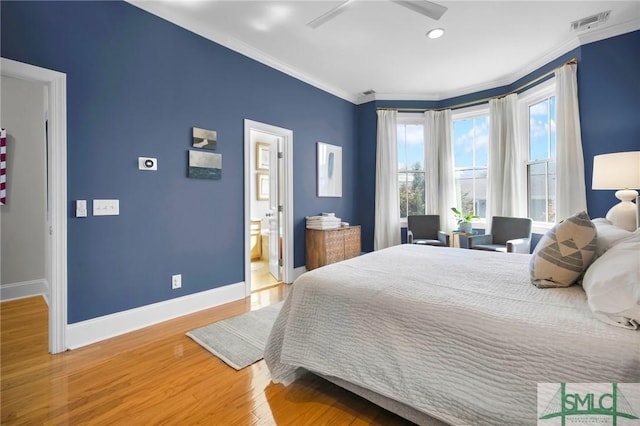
(261, 278)
(157, 376)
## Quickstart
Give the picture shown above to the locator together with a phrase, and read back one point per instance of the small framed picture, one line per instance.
(329, 170)
(206, 139)
(205, 165)
(262, 156)
(262, 186)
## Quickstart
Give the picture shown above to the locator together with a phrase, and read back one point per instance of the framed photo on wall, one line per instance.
(262, 156)
(203, 138)
(262, 186)
(329, 170)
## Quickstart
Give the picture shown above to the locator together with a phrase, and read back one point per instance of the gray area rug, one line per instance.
(238, 341)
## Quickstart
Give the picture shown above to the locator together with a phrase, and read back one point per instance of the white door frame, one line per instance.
(287, 214)
(57, 84)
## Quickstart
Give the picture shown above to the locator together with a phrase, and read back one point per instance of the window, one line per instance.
(539, 110)
(470, 153)
(411, 171)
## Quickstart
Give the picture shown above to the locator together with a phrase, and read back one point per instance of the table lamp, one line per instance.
(619, 171)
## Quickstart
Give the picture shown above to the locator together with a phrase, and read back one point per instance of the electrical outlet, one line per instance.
(176, 281)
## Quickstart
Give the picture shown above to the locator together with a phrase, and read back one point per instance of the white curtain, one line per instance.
(387, 208)
(570, 187)
(505, 189)
(440, 186)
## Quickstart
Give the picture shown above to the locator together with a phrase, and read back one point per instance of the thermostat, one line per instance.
(147, 163)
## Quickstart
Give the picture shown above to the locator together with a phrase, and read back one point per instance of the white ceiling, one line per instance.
(379, 45)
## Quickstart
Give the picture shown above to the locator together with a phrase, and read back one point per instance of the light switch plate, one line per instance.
(106, 207)
(81, 208)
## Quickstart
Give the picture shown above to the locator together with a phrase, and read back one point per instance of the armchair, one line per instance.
(425, 229)
(508, 234)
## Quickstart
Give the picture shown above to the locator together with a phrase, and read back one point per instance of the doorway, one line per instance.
(56, 162)
(268, 202)
(24, 214)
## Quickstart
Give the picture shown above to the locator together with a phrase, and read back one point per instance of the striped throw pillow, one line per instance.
(564, 252)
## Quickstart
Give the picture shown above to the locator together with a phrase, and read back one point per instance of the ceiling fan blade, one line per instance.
(330, 14)
(424, 7)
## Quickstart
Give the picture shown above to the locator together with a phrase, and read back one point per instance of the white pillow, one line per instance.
(608, 235)
(612, 284)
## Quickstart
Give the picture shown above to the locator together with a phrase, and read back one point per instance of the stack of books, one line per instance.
(324, 221)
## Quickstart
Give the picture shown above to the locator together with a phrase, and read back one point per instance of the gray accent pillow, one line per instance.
(564, 252)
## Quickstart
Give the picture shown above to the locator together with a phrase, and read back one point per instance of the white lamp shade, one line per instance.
(620, 170)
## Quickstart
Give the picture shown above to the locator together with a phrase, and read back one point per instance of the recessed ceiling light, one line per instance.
(435, 33)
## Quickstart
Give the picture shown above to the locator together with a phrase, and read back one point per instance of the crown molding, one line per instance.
(586, 37)
(260, 56)
(598, 34)
(575, 42)
(157, 9)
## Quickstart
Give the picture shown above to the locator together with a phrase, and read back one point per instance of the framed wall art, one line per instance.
(206, 139)
(205, 165)
(262, 186)
(329, 170)
(262, 156)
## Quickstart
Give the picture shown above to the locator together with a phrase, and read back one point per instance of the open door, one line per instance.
(280, 205)
(56, 83)
(275, 208)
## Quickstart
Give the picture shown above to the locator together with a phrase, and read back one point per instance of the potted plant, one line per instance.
(464, 220)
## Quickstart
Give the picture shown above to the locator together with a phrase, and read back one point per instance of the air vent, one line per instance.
(369, 92)
(590, 21)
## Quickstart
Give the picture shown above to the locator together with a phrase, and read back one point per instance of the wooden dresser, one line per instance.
(331, 245)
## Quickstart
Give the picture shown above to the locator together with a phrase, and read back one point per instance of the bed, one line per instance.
(444, 335)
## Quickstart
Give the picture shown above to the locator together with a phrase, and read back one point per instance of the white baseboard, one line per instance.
(24, 289)
(101, 328)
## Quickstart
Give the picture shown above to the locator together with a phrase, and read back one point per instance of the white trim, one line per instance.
(608, 32)
(171, 15)
(287, 214)
(566, 47)
(57, 84)
(525, 99)
(470, 112)
(24, 289)
(107, 326)
(541, 228)
(412, 118)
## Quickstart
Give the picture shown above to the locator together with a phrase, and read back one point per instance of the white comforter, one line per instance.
(461, 335)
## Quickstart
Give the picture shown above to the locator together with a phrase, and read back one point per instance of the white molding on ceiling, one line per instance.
(260, 56)
(242, 48)
(569, 45)
(357, 98)
(608, 32)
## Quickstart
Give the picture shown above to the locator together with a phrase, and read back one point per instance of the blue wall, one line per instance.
(609, 92)
(136, 85)
(609, 98)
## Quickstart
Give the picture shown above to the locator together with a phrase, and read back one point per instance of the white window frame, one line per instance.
(464, 114)
(525, 99)
(413, 119)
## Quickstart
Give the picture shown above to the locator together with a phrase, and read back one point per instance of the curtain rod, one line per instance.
(483, 100)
